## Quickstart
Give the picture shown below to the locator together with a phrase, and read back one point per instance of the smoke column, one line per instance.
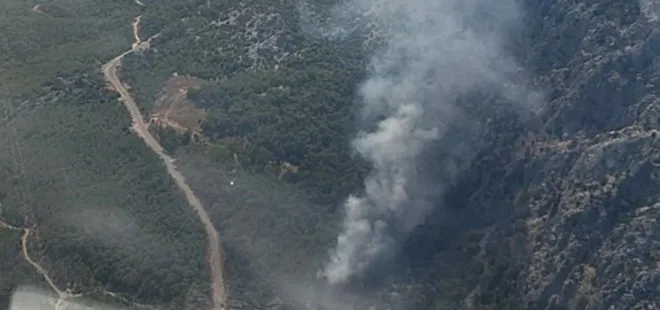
(434, 51)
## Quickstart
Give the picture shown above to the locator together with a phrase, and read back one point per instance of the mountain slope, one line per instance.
(555, 210)
(106, 223)
(585, 191)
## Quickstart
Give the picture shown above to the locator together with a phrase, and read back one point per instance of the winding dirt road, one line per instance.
(215, 258)
(63, 296)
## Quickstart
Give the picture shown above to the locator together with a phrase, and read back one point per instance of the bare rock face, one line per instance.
(584, 189)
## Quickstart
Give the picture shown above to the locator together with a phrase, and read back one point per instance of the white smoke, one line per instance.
(434, 51)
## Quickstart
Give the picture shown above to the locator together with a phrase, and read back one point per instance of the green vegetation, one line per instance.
(12, 265)
(293, 103)
(107, 217)
(276, 97)
(280, 118)
(107, 214)
(302, 117)
(66, 36)
(269, 108)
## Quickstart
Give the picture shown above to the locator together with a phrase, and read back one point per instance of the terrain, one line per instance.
(557, 210)
(97, 215)
(214, 247)
(537, 222)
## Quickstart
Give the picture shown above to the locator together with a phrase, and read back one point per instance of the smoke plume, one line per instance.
(433, 52)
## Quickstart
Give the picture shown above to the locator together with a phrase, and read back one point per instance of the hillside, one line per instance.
(536, 219)
(105, 219)
(529, 166)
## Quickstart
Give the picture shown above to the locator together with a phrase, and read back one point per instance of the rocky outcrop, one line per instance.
(585, 187)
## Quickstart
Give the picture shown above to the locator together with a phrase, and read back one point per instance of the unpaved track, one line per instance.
(24, 244)
(4, 225)
(63, 296)
(136, 32)
(215, 258)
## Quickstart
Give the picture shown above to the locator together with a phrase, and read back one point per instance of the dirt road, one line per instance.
(215, 259)
(63, 296)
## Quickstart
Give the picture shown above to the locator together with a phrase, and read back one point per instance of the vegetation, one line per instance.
(59, 36)
(108, 219)
(107, 214)
(13, 266)
(286, 114)
(300, 117)
(274, 162)
(270, 109)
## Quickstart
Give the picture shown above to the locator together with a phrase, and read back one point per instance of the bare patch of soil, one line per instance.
(173, 109)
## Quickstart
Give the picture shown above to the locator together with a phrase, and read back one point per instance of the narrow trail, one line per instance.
(4, 225)
(118, 297)
(17, 153)
(136, 33)
(63, 296)
(215, 255)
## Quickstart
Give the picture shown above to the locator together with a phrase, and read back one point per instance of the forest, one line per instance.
(281, 109)
(58, 36)
(270, 109)
(108, 221)
(303, 118)
(276, 162)
(108, 217)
